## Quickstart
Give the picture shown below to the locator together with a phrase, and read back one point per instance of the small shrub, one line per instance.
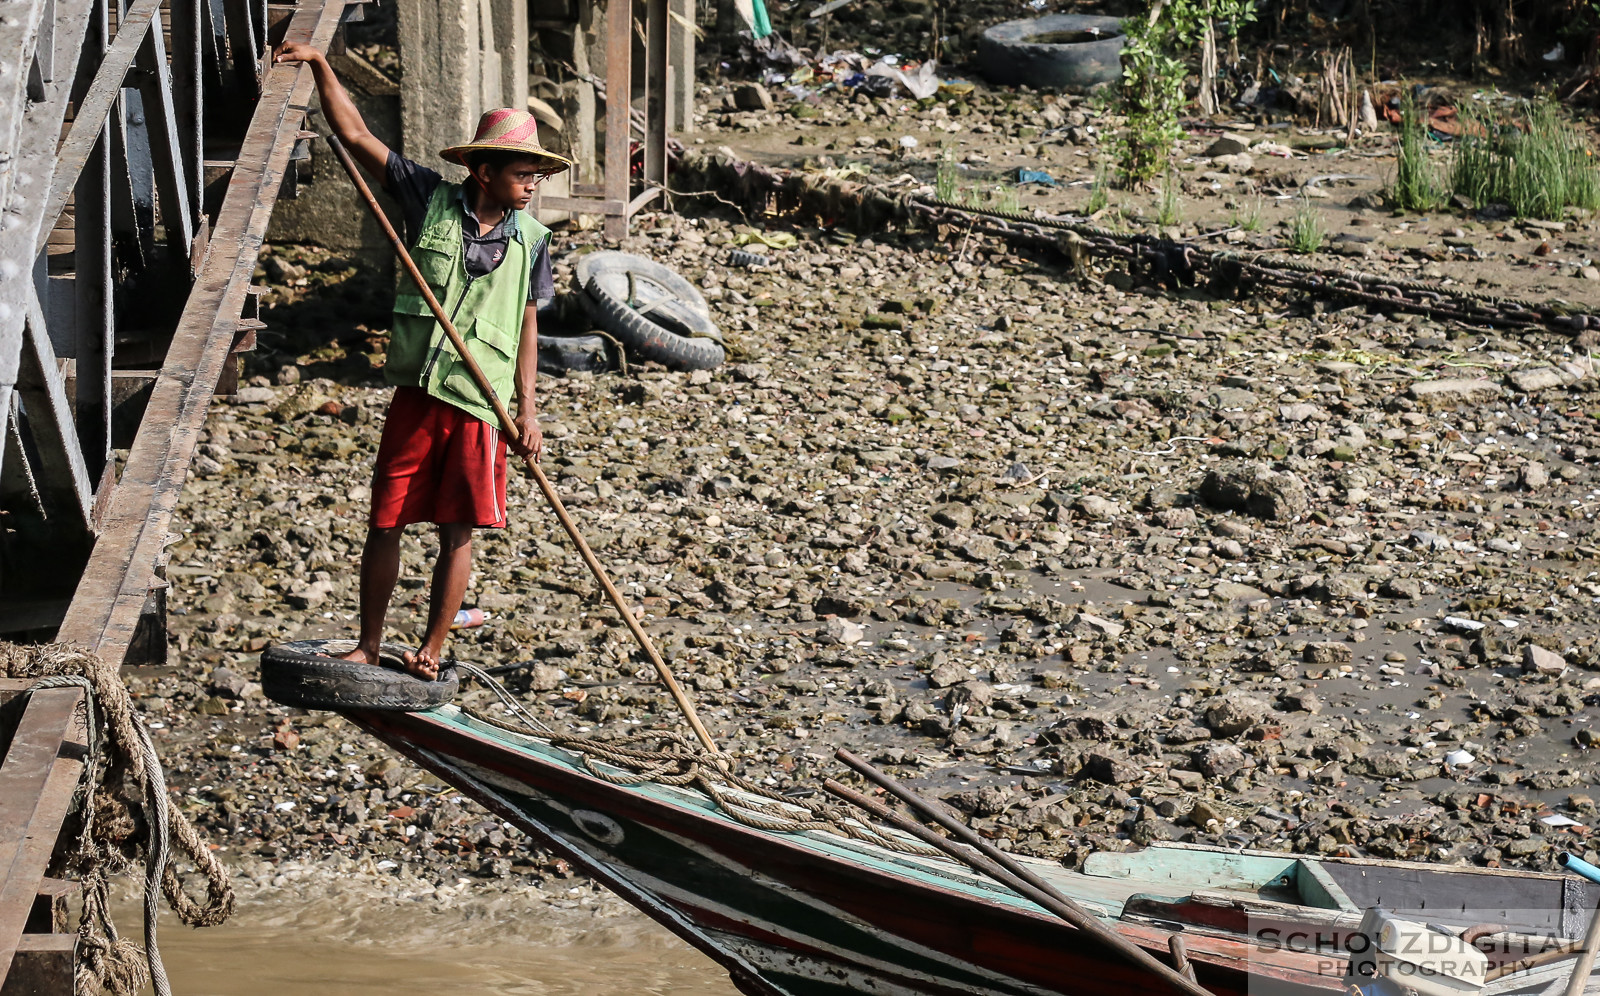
(1416, 182)
(1307, 229)
(1537, 173)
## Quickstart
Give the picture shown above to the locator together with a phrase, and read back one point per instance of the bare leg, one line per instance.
(380, 568)
(450, 575)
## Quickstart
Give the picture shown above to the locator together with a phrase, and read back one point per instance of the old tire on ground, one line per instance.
(303, 674)
(560, 353)
(1037, 51)
(665, 320)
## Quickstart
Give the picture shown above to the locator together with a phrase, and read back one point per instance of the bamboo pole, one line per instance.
(509, 427)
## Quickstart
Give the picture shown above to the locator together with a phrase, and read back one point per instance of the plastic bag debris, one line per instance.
(1035, 176)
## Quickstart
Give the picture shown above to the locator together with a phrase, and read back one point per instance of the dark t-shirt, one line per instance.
(413, 185)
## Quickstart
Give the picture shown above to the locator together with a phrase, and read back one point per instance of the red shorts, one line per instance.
(436, 463)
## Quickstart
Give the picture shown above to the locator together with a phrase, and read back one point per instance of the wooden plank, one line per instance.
(619, 85)
(64, 482)
(37, 780)
(642, 198)
(132, 27)
(108, 601)
(655, 92)
(580, 205)
(166, 147)
(44, 965)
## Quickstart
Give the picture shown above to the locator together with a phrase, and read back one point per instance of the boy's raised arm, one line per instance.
(341, 111)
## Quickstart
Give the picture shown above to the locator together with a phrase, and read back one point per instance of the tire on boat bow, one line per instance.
(309, 675)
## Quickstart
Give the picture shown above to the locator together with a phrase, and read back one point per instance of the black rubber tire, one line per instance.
(562, 354)
(302, 674)
(1007, 58)
(679, 335)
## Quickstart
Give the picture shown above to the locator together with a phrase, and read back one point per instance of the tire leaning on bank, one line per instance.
(655, 313)
(308, 675)
(1064, 51)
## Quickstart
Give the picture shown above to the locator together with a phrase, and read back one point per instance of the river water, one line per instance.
(319, 943)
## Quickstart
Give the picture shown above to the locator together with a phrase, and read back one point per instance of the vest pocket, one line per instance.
(435, 261)
(496, 353)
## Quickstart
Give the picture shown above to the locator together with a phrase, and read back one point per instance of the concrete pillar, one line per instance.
(680, 60)
(459, 58)
(510, 18)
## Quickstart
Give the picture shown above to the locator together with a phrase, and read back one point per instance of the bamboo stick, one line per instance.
(510, 428)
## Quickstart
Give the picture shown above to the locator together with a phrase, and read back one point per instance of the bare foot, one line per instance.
(423, 663)
(362, 655)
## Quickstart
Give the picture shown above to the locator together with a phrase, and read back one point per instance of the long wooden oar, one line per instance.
(510, 429)
(995, 863)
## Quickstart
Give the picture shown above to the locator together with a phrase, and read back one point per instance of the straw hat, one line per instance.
(507, 129)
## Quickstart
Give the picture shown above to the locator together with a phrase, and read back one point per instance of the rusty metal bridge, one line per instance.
(143, 145)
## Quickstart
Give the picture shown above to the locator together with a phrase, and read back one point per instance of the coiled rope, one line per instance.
(668, 758)
(123, 810)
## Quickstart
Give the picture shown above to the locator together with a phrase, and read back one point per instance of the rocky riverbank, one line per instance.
(1099, 567)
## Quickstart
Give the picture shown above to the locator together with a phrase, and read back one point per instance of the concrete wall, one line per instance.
(328, 211)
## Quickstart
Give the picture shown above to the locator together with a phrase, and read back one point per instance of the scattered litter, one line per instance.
(908, 142)
(469, 619)
(748, 260)
(920, 83)
(772, 240)
(1459, 758)
(1463, 625)
(1035, 176)
(1557, 820)
(1556, 54)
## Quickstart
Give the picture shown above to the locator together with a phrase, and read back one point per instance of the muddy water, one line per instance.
(357, 947)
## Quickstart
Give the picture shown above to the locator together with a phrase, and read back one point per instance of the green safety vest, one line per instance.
(486, 310)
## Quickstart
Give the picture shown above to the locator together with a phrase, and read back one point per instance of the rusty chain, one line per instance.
(1182, 263)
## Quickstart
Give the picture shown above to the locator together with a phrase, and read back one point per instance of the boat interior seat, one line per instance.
(1183, 872)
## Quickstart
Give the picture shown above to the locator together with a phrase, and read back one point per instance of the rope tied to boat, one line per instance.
(668, 758)
(123, 811)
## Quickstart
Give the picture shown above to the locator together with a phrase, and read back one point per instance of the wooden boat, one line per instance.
(816, 914)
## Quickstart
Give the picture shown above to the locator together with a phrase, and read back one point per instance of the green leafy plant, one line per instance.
(1153, 72)
(1170, 211)
(1307, 229)
(1537, 172)
(1416, 183)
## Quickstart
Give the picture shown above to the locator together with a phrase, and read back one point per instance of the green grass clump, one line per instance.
(1537, 173)
(1170, 211)
(1100, 190)
(1416, 183)
(1004, 198)
(1307, 229)
(1250, 219)
(944, 180)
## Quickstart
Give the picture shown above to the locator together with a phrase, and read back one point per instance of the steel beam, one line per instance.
(132, 28)
(19, 40)
(65, 487)
(166, 144)
(105, 608)
(25, 209)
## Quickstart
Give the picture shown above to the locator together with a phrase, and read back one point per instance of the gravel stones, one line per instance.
(1255, 489)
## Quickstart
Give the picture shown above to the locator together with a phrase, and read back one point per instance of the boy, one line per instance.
(442, 458)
